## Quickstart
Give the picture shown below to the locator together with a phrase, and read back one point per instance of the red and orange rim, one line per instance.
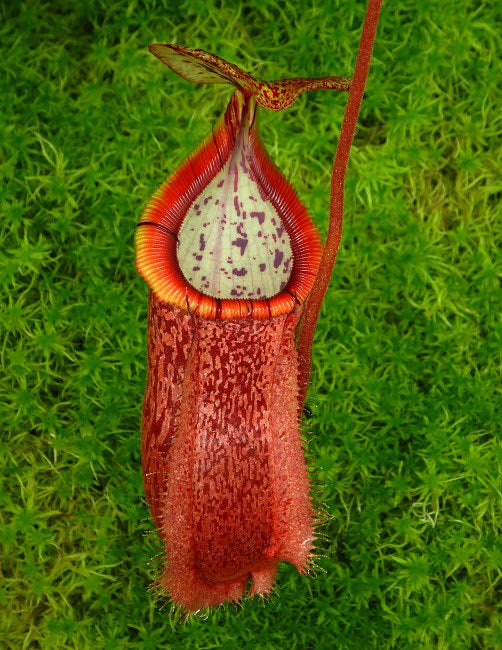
(157, 234)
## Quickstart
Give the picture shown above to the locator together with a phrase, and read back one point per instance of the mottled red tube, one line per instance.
(223, 465)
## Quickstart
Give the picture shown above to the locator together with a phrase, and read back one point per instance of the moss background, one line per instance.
(403, 395)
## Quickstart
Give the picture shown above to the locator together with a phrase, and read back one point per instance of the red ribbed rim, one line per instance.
(157, 234)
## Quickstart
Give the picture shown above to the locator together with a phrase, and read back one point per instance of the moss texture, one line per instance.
(403, 394)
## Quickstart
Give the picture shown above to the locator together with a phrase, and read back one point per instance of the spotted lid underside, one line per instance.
(201, 67)
(232, 243)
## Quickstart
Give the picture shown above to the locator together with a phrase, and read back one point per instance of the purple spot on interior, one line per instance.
(239, 228)
(236, 206)
(283, 284)
(196, 206)
(239, 272)
(253, 198)
(258, 215)
(280, 230)
(263, 266)
(202, 243)
(286, 265)
(198, 258)
(207, 199)
(244, 166)
(278, 258)
(196, 268)
(220, 184)
(236, 178)
(217, 202)
(241, 243)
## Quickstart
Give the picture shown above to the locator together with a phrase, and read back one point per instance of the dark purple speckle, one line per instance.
(241, 243)
(258, 215)
(278, 258)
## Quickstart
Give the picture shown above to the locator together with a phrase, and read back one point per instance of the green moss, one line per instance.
(403, 392)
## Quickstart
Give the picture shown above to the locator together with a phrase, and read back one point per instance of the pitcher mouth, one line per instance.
(226, 236)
